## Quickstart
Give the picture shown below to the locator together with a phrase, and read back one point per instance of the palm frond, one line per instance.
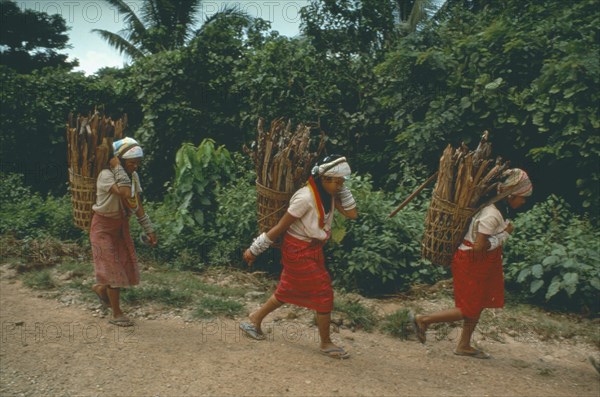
(226, 13)
(129, 16)
(418, 14)
(120, 44)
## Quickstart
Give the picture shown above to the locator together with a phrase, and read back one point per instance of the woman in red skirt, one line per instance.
(117, 198)
(477, 267)
(305, 227)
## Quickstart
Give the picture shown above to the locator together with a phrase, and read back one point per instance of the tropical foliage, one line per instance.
(389, 90)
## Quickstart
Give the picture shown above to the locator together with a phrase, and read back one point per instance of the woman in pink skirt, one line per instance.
(477, 266)
(117, 198)
(306, 227)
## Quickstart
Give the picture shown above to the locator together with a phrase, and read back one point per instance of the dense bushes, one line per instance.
(379, 255)
(25, 214)
(553, 257)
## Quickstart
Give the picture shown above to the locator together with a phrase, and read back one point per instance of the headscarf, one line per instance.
(334, 168)
(517, 181)
(128, 148)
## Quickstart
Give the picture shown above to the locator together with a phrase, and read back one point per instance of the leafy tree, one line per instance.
(187, 94)
(518, 69)
(361, 26)
(29, 40)
(33, 115)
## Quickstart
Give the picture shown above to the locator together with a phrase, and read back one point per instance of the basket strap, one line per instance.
(272, 213)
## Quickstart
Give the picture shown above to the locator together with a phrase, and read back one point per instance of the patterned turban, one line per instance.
(517, 181)
(128, 148)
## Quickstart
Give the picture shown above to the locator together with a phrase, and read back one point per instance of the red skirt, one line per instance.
(304, 280)
(115, 263)
(478, 281)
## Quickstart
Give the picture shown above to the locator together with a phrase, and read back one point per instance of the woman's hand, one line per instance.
(114, 162)
(509, 228)
(152, 239)
(249, 257)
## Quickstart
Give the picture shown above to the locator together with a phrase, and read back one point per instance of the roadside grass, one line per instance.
(398, 324)
(175, 288)
(213, 307)
(39, 279)
(358, 315)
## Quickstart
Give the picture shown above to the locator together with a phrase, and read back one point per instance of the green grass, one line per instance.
(214, 307)
(40, 279)
(398, 324)
(189, 281)
(83, 268)
(160, 294)
(358, 315)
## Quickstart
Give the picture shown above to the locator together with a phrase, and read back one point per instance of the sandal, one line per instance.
(336, 352)
(251, 331)
(121, 321)
(475, 354)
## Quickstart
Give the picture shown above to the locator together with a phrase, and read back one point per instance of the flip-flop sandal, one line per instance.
(475, 354)
(251, 331)
(336, 352)
(121, 322)
(419, 332)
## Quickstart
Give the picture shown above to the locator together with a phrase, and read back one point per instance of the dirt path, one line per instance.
(51, 349)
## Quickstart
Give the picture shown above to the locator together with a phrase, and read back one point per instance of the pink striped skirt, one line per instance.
(115, 262)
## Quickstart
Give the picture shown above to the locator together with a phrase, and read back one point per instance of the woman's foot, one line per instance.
(333, 351)
(252, 329)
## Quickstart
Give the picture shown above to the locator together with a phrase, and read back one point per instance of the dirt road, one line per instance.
(50, 349)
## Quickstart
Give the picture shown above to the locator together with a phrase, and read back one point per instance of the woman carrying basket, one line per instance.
(477, 266)
(117, 198)
(306, 227)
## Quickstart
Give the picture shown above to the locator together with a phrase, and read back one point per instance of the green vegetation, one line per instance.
(389, 84)
(214, 307)
(41, 279)
(398, 324)
(357, 315)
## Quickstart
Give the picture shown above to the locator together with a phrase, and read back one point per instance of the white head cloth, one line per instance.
(337, 168)
(134, 153)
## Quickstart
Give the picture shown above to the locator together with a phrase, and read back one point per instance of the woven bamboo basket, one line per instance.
(271, 206)
(83, 196)
(445, 226)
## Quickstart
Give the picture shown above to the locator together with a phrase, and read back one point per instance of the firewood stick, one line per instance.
(413, 194)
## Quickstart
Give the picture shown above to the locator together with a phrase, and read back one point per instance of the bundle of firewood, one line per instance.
(89, 141)
(282, 156)
(466, 177)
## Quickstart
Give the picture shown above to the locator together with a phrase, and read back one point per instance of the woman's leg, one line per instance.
(327, 346)
(113, 297)
(257, 317)
(447, 316)
(464, 343)
(100, 290)
(444, 316)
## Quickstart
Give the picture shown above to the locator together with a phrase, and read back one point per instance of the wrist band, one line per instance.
(497, 240)
(260, 244)
(346, 199)
(146, 224)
